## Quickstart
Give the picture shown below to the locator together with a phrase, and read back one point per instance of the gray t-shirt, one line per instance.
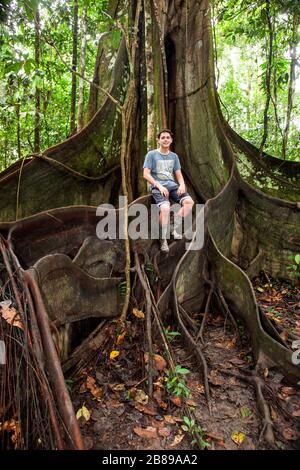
(162, 167)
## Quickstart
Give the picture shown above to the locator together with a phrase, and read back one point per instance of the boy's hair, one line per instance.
(165, 130)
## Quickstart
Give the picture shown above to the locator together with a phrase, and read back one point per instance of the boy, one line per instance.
(160, 165)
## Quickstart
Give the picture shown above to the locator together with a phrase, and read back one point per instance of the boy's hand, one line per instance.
(181, 189)
(163, 190)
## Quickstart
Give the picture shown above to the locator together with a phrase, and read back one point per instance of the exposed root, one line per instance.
(267, 428)
(227, 312)
(193, 346)
(148, 324)
(200, 334)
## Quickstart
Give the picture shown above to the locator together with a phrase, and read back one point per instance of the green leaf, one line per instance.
(30, 8)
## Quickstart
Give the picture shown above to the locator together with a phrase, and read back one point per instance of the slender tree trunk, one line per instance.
(149, 76)
(74, 67)
(17, 108)
(268, 78)
(37, 53)
(83, 28)
(291, 89)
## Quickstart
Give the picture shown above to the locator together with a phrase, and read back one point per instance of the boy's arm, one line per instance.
(156, 184)
(181, 183)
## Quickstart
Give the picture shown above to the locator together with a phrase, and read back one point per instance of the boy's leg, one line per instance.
(164, 212)
(186, 206)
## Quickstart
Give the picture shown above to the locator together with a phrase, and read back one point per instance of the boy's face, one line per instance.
(165, 140)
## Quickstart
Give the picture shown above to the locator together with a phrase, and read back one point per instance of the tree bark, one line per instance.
(37, 53)
(268, 77)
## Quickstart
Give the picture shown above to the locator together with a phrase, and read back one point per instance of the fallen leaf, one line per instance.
(96, 391)
(159, 362)
(11, 315)
(237, 360)
(288, 391)
(191, 402)
(117, 387)
(12, 426)
(260, 289)
(289, 434)
(215, 437)
(83, 411)
(140, 396)
(176, 400)
(121, 337)
(274, 415)
(172, 419)
(215, 379)
(164, 432)
(296, 413)
(177, 439)
(231, 343)
(114, 354)
(284, 335)
(145, 409)
(147, 433)
(266, 372)
(238, 437)
(138, 313)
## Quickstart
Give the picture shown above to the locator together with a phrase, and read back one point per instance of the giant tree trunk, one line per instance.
(246, 229)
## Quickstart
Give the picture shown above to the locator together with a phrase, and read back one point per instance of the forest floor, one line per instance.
(117, 413)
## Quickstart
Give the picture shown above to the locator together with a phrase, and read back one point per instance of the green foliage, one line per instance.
(171, 334)
(241, 31)
(245, 412)
(175, 382)
(122, 288)
(20, 77)
(294, 267)
(196, 433)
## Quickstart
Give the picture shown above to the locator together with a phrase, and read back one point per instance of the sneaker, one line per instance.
(175, 234)
(164, 246)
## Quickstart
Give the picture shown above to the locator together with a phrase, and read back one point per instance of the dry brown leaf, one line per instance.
(147, 433)
(121, 337)
(164, 432)
(237, 361)
(274, 415)
(284, 335)
(288, 391)
(296, 413)
(215, 379)
(177, 439)
(191, 402)
(159, 362)
(211, 436)
(11, 316)
(176, 400)
(266, 372)
(140, 396)
(289, 434)
(96, 391)
(145, 409)
(138, 313)
(231, 343)
(172, 419)
(116, 387)
(163, 405)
